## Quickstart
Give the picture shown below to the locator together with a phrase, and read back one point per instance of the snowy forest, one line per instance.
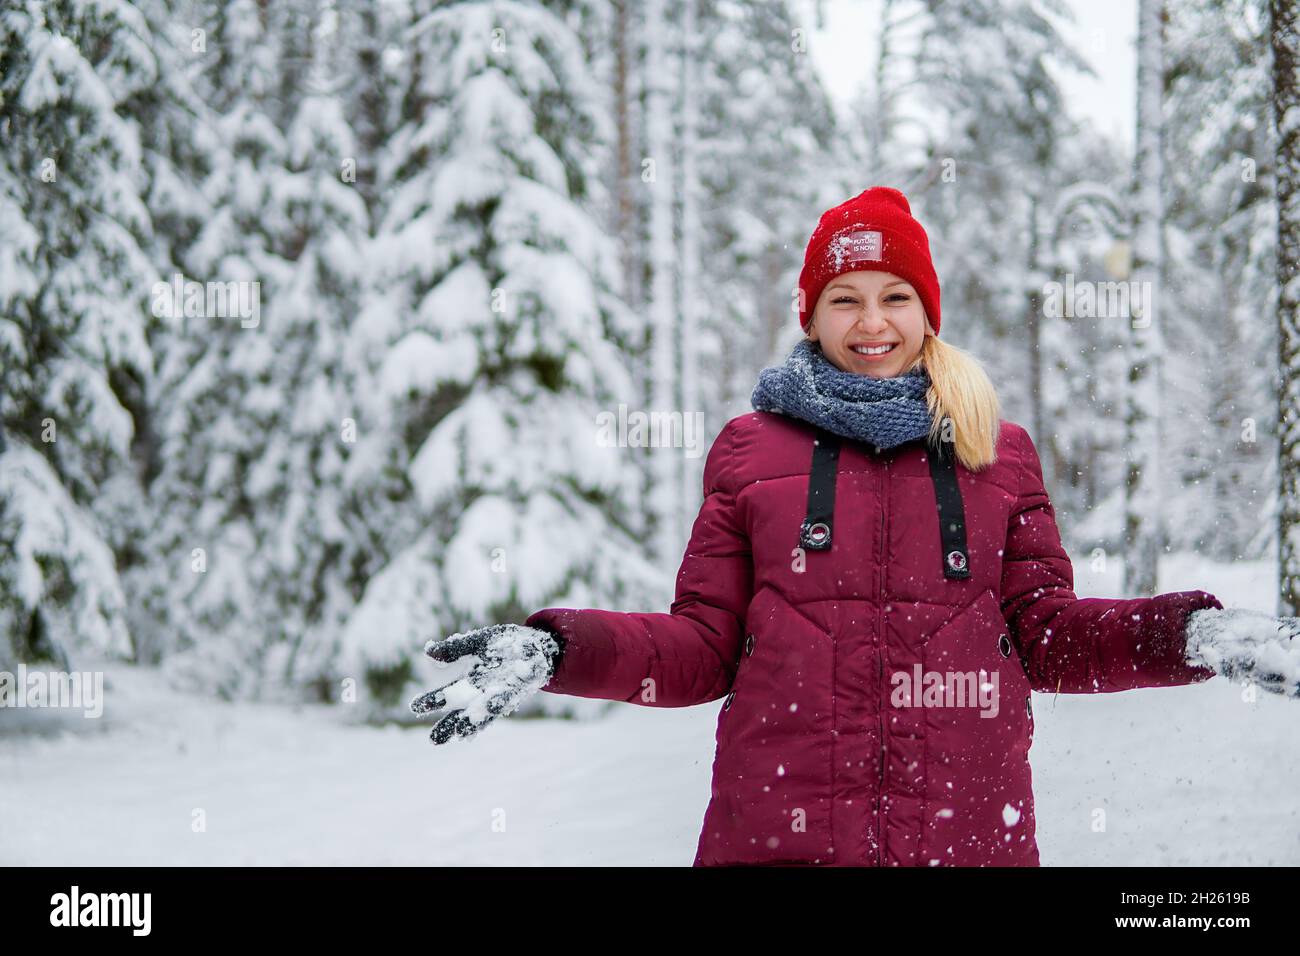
(314, 313)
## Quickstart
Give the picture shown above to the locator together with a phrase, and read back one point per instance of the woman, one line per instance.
(874, 585)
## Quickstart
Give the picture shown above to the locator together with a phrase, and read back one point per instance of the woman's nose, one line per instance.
(871, 319)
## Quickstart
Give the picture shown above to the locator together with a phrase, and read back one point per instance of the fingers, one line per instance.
(1250, 671)
(456, 724)
(502, 703)
(433, 700)
(1277, 683)
(1288, 628)
(457, 693)
(467, 693)
(457, 646)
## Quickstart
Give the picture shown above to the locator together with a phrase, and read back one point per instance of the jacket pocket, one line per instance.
(975, 687)
(772, 785)
(977, 796)
(783, 677)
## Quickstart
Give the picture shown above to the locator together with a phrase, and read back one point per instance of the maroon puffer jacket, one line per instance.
(819, 759)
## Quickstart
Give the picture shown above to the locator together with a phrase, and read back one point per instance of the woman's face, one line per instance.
(859, 310)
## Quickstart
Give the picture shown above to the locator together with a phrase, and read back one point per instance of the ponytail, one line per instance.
(961, 392)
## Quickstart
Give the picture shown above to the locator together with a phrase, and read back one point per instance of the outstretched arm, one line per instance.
(689, 655)
(1088, 645)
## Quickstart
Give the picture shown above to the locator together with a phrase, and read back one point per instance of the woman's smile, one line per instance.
(873, 352)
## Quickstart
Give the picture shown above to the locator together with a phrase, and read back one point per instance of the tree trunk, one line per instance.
(1286, 112)
(691, 468)
(1143, 540)
(1034, 326)
(624, 203)
(664, 487)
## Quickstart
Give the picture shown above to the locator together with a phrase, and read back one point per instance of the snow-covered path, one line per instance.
(1185, 775)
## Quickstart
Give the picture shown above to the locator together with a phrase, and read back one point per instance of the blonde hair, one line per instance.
(962, 393)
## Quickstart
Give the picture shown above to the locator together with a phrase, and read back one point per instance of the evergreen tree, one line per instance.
(239, 452)
(492, 322)
(74, 283)
(1220, 274)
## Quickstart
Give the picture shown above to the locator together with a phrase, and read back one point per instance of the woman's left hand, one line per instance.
(1247, 646)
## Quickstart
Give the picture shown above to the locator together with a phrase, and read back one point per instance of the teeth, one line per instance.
(878, 350)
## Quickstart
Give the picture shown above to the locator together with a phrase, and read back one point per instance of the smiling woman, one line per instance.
(868, 283)
(873, 521)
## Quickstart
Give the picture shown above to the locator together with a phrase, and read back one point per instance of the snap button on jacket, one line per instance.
(821, 757)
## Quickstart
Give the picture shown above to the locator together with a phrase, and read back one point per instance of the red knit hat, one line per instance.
(873, 230)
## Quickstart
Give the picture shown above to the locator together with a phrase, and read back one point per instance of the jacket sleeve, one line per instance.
(689, 655)
(1089, 645)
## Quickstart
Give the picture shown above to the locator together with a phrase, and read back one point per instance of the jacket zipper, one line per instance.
(880, 662)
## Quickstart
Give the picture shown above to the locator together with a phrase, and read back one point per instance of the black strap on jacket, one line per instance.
(816, 532)
(952, 515)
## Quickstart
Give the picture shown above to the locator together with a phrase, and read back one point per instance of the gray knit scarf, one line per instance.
(883, 411)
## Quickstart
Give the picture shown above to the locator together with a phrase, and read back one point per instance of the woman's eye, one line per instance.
(843, 298)
(900, 295)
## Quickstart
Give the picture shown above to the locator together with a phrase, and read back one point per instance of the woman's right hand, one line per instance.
(512, 662)
(1246, 646)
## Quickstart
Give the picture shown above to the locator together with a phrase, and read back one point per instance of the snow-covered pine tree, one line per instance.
(175, 163)
(1143, 505)
(74, 288)
(613, 38)
(1285, 37)
(745, 107)
(965, 113)
(769, 163)
(369, 29)
(1220, 272)
(222, 387)
(885, 123)
(491, 327)
(319, 549)
(1081, 361)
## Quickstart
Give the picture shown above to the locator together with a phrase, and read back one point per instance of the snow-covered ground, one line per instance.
(1186, 775)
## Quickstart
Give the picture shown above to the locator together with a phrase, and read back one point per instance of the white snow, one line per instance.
(1191, 776)
(302, 787)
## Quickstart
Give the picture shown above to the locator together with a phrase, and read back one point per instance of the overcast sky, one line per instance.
(1103, 31)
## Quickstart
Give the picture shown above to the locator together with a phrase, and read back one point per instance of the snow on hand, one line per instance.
(1247, 646)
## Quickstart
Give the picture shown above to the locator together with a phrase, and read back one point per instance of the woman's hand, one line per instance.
(1247, 646)
(511, 663)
